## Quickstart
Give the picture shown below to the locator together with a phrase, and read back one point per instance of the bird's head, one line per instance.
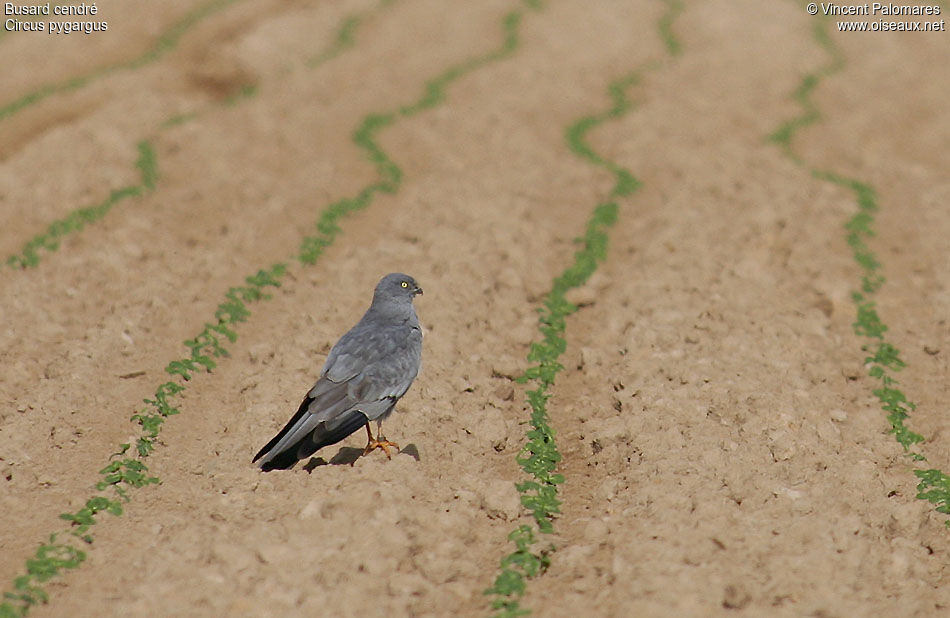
(397, 285)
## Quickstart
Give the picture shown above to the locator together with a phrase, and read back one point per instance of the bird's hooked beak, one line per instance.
(417, 291)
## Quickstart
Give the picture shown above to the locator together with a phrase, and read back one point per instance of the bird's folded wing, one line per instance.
(360, 348)
(324, 401)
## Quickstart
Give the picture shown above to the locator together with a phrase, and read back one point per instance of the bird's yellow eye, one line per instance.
(404, 284)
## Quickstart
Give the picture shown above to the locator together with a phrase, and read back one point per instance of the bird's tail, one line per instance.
(328, 434)
(281, 461)
(324, 434)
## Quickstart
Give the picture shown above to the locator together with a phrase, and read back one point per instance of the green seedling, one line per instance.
(509, 585)
(802, 95)
(246, 91)
(148, 165)
(345, 37)
(50, 559)
(178, 119)
(934, 487)
(86, 516)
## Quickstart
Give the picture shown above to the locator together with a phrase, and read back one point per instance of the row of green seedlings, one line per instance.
(342, 40)
(539, 456)
(885, 360)
(164, 44)
(77, 219)
(390, 174)
(126, 471)
(57, 555)
(665, 27)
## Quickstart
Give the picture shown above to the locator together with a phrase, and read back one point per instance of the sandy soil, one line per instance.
(723, 451)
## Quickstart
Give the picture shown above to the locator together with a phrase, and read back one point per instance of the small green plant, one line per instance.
(178, 119)
(934, 487)
(345, 37)
(802, 95)
(86, 516)
(148, 165)
(50, 559)
(246, 91)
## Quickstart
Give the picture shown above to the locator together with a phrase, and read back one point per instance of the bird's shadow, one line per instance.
(348, 455)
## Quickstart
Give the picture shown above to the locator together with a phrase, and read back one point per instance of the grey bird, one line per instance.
(366, 373)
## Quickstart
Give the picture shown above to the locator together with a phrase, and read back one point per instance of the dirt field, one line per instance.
(724, 451)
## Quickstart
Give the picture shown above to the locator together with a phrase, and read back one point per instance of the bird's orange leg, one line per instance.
(378, 443)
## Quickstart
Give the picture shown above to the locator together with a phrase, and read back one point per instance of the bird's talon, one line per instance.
(383, 444)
